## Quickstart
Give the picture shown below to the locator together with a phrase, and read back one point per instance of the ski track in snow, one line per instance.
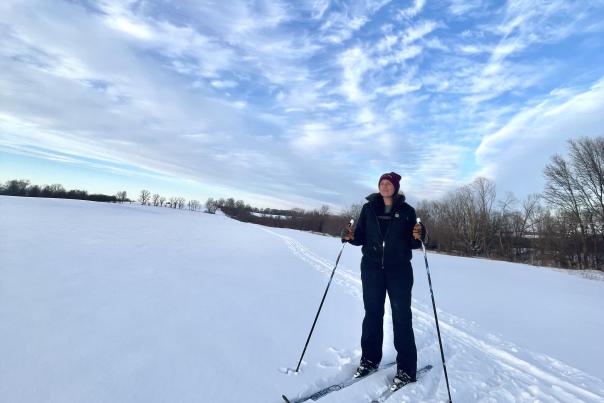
(540, 379)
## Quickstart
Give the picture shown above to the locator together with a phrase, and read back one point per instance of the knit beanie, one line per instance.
(393, 178)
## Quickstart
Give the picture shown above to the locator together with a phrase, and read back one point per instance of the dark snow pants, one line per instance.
(397, 282)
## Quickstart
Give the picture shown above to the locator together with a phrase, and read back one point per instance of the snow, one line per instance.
(124, 303)
(282, 217)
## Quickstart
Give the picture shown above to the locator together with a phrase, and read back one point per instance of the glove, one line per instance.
(346, 234)
(419, 232)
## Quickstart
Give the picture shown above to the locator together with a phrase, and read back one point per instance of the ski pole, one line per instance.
(440, 343)
(322, 300)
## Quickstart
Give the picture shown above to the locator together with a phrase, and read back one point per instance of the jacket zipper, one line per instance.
(384, 241)
(381, 235)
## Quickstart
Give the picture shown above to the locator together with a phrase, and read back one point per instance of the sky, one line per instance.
(291, 103)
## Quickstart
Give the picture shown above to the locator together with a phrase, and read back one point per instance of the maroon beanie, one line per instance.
(393, 178)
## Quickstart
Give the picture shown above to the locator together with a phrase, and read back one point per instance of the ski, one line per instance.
(391, 390)
(335, 387)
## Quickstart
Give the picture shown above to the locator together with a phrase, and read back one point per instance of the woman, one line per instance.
(387, 231)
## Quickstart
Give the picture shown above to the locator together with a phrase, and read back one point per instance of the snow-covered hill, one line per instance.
(118, 303)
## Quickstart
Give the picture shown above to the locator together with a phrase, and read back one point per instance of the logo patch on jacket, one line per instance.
(395, 215)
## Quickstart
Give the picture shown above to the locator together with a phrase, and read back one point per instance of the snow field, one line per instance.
(120, 303)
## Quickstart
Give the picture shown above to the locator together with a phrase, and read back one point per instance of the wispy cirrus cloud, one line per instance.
(341, 22)
(413, 10)
(509, 152)
(464, 7)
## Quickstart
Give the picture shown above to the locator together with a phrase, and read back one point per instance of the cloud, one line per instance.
(436, 172)
(318, 8)
(473, 49)
(355, 63)
(340, 27)
(533, 135)
(524, 24)
(405, 85)
(414, 10)
(400, 88)
(340, 24)
(313, 136)
(358, 62)
(461, 7)
(224, 83)
(130, 27)
(418, 31)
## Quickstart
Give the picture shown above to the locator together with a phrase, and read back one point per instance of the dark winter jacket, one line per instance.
(392, 249)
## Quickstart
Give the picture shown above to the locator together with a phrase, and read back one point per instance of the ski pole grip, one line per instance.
(419, 221)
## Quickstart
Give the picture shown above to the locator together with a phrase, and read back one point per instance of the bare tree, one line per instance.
(562, 191)
(354, 211)
(155, 199)
(144, 197)
(463, 221)
(461, 217)
(211, 205)
(484, 196)
(587, 158)
(121, 196)
(162, 200)
(504, 225)
(526, 231)
(193, 205)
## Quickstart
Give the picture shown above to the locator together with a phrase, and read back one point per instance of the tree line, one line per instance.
(23, 188)
(563, 226)
(320, 220)
(147, 199)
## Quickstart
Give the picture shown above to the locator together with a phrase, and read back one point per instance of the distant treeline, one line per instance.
(563, 226)
(22, 187)
(318, 220)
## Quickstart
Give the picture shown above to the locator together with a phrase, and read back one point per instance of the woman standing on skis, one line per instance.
(387, 231)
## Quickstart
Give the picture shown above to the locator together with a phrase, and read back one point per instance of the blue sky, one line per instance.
(287, 103)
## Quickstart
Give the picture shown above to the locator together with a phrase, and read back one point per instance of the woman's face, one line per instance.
(386, 188)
